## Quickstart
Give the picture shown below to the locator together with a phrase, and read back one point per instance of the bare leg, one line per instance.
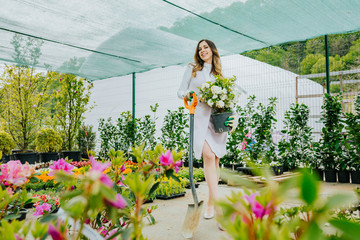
(211, 167)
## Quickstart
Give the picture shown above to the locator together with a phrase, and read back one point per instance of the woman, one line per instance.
(207, 143)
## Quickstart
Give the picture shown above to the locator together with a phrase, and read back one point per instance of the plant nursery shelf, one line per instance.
(166, 197)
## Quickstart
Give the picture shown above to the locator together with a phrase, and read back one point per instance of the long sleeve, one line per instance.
(184, 86)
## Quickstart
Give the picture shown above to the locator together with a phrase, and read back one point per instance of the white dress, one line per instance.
(203, 126)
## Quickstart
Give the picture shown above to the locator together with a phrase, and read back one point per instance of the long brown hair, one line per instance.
(199, 63)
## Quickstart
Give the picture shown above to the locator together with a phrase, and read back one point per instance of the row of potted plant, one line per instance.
(48, 144)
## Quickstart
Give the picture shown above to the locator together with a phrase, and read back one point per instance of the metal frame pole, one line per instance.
(327, 64)
(133, 96)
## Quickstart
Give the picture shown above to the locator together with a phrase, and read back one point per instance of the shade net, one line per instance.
(103, 39)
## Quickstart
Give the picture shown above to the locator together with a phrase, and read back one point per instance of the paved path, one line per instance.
(170, 214)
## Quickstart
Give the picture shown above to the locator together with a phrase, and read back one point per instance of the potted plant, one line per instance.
(6, 144)
(71, 103)
(48, 143)
(352, 142)
(294, 147)
(221, 96)
(23, 94)
(86, 140)
(331, 144)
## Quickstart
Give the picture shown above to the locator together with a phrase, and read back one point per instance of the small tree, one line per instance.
(263, 125)
(330, 147)
(22, 98)
(70, 103)
(120, 136)
(86, 139)
(235, 139)
(295, 148)
(352, 143)
(173, 132)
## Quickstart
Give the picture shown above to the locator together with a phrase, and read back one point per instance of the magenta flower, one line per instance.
(166, 159)
(60, 165)
(13, 172)
(122, 168)
(54, 233)
(259, 210)
(41, 209)
(177, 165)
(119, 202)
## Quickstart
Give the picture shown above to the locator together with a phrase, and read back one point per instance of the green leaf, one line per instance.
(313, 232)
(339, 200)
(48, 218)
(12, 216)
(34, 180)
(175, 178)
(351, 230)
(309, 187)
(169, 172)
(153, 188)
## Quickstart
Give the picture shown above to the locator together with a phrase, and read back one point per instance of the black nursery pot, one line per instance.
(30, 157)
(219, 119)
(343, 176)
(48, 156)
(355, 177)
(330, 175)
(5, 158)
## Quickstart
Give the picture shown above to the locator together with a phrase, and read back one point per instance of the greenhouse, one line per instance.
(96, 143)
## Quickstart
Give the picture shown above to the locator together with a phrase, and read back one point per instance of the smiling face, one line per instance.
(205, 52)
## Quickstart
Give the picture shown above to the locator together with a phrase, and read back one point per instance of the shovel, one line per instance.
(193, 213)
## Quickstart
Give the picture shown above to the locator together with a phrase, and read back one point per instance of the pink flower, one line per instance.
(105, 179)
(166, 159)
(122, 168)
(13, 172)
(61, 165)
(251, 198)
(43, 208)
(244, 141)
(112, 232)
(55, 233)
(100, 168)
(177, 165)
(259, 210)
(119, 202)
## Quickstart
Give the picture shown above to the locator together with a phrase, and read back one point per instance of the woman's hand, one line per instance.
(232, 122)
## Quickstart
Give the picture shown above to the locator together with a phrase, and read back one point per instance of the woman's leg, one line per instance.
(211, 167)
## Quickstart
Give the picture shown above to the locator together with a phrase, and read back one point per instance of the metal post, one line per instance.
(296, 90)
(133, 96)
(327, 64)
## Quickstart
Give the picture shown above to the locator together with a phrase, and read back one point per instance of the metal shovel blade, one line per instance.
(192, 219)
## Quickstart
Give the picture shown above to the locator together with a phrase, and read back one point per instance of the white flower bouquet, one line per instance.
(221, 95)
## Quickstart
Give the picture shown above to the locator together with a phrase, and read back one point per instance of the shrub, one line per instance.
(6, 142)
(48, 140)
